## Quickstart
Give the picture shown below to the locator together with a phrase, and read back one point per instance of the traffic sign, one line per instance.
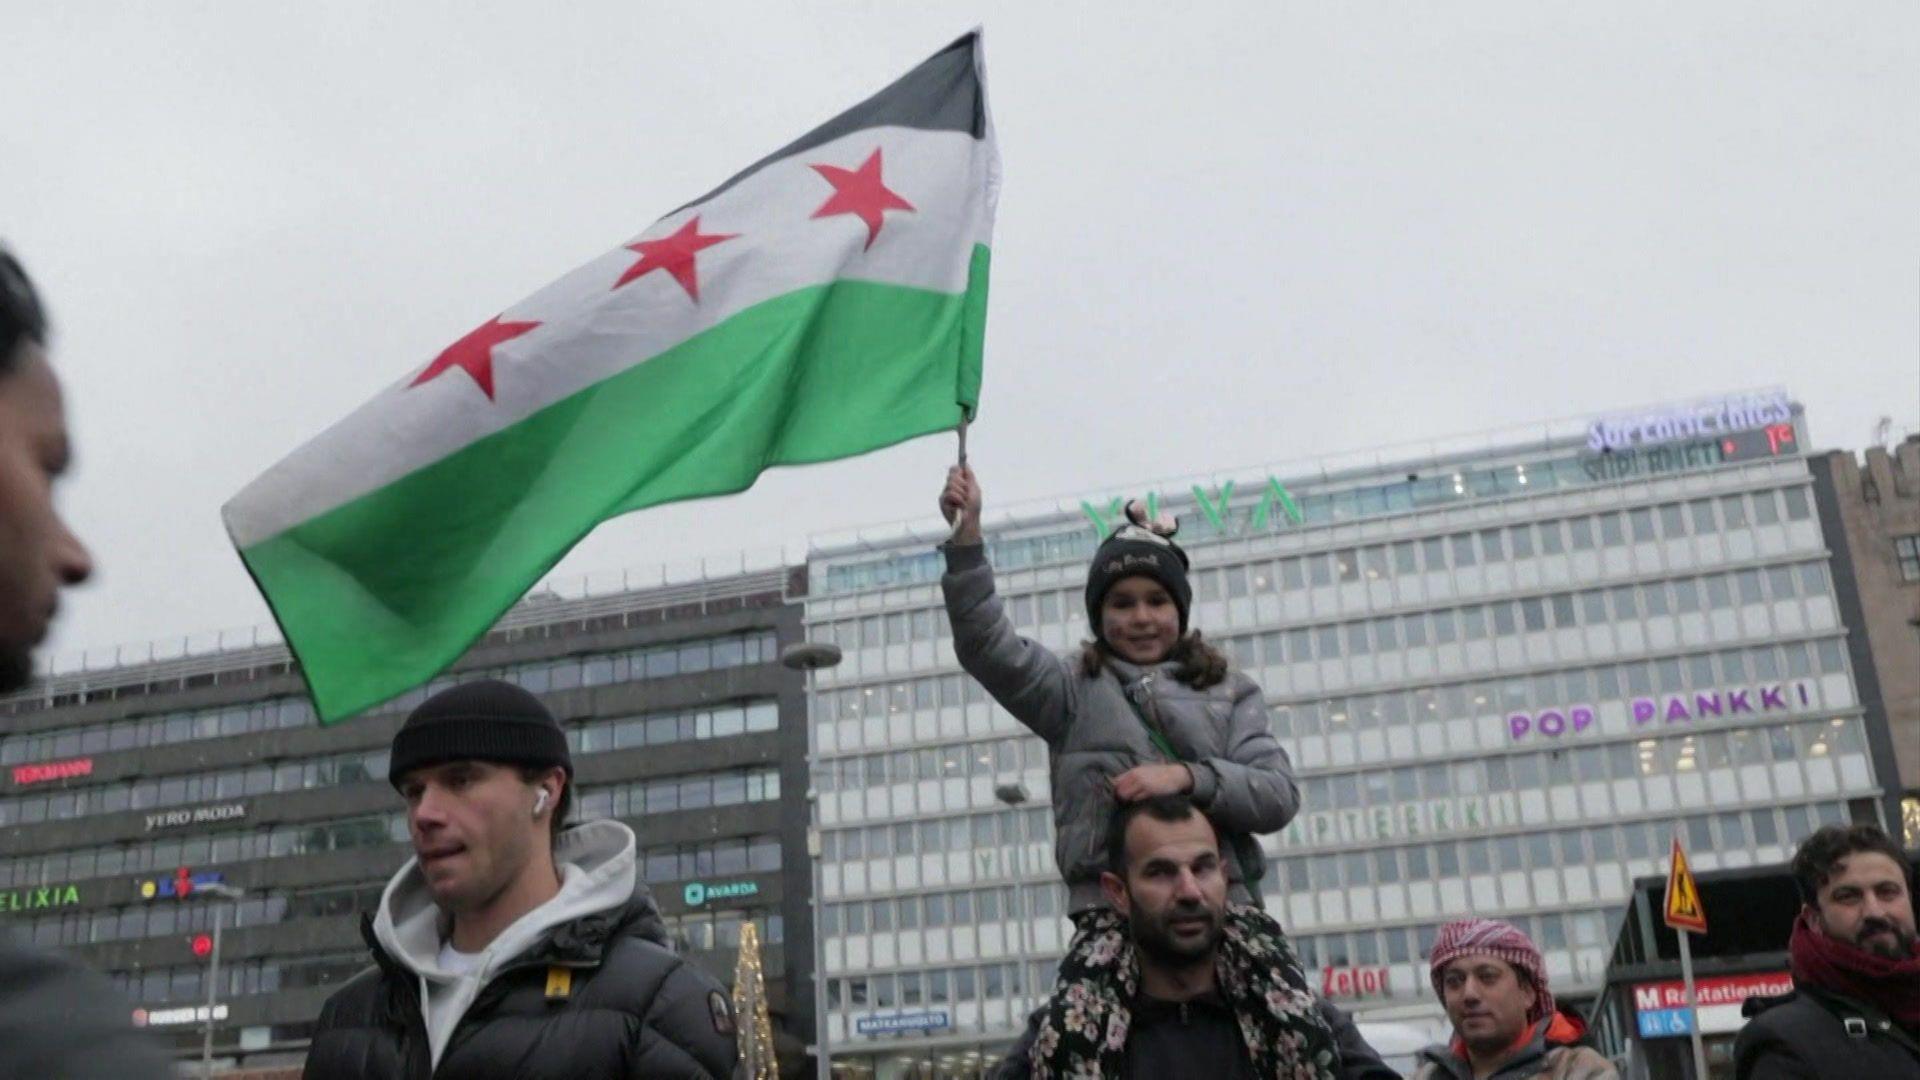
(1683, 908)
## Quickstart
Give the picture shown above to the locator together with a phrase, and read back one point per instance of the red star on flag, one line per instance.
(474, 353)
(860, 192)
(674, 255)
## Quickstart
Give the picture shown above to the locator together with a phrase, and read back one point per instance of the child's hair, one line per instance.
(1201, 665)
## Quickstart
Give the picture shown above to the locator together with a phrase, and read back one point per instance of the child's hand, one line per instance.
(960, 504)
(1146, 781)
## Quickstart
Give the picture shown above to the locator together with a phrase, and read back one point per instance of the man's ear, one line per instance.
(1116, 889)
(1812, 914)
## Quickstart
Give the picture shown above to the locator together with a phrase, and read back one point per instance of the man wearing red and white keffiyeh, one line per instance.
(1493, 982)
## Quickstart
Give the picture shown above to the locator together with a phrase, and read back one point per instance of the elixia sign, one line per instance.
(1723, 417)
(52, 770)
(199, 815)
(1218, 508)
(699, 892)
(51, 896)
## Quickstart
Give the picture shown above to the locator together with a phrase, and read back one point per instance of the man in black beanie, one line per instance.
(511, 945)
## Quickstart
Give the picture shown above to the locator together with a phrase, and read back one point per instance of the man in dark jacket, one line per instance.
(1184, 1018)
(508, 946)
(1855, 1009)
(56, 1018)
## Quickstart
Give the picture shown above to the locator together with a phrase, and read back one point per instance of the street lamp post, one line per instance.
(225, 892)
(809, 657)
(1014, 794)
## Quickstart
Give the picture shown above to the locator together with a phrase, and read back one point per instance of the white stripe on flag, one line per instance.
(591, 331)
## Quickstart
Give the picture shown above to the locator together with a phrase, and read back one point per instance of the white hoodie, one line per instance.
(597, 872)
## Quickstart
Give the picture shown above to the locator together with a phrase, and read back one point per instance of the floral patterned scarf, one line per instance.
(1084, 1031)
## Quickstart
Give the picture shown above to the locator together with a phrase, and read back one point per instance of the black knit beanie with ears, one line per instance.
(1142, 548)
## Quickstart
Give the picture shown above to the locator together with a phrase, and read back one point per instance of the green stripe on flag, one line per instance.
(379, 595)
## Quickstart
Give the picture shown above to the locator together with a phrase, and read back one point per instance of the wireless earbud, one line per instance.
(540, 803)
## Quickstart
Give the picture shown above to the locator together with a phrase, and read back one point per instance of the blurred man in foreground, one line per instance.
(56, 1018)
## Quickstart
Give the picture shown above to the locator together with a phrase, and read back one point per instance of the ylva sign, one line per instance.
(1273, 503)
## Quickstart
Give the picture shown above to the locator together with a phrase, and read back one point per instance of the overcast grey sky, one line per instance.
(1230, 234)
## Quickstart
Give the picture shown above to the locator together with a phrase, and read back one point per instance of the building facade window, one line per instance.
(649, 662)
(1907, 551)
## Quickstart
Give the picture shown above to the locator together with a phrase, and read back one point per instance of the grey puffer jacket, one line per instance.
(1241, 776)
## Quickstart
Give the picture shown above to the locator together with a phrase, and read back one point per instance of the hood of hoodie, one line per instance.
(598, 873)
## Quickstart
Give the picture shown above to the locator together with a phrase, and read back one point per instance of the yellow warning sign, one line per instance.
(1684, 910)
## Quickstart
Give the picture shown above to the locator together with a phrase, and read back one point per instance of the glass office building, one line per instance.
(115, 783)
(1507, 671)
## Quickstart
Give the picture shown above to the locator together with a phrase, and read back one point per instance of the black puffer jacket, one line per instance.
(632, 1009)
(1811, 1035)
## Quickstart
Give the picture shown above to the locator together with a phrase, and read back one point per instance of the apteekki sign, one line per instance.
(48, 896)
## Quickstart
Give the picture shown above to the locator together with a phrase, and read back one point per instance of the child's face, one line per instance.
(1138, 620)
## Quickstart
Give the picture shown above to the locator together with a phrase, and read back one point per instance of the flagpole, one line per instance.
(1686, 975)
(1693, 1007)
(965, 415)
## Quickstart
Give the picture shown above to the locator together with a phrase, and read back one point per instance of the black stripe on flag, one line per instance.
(942, 94)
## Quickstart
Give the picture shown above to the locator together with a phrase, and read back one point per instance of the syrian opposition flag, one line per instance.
(827, 301)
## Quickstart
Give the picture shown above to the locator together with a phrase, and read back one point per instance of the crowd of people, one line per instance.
(513, 944)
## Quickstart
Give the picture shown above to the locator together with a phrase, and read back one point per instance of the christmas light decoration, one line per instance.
(755, 1029)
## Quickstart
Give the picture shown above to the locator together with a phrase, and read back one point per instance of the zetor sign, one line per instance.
(52, 770)
(1353, 982)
